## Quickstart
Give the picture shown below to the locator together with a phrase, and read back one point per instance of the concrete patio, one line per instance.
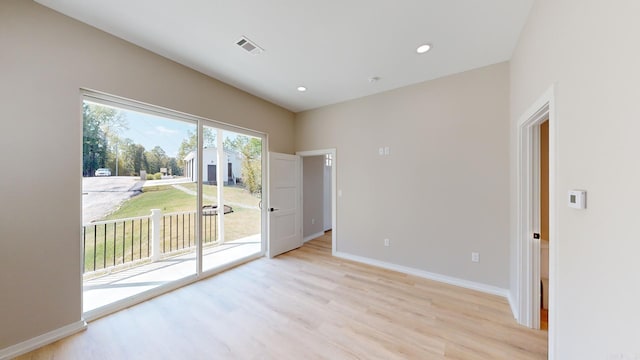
(109, 288)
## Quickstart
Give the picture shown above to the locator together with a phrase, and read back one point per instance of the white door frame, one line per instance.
(334, 226)
(528, 249)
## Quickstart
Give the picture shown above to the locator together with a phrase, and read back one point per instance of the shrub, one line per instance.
(252, 175)
(157, 176)
(150, 176)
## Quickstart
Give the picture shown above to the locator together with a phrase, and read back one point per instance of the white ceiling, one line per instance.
(332, 47)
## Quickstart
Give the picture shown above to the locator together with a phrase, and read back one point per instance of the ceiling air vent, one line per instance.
(249, 46)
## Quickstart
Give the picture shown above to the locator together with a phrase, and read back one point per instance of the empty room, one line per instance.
(416, 179)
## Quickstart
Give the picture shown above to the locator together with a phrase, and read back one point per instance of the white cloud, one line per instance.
(164, 130)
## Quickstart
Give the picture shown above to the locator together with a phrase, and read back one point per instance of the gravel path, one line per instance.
(102, 195)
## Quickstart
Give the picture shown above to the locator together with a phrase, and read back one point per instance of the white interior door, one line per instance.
(285, 231)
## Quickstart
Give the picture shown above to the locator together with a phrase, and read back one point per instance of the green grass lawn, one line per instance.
(231, 194)
(169, 199)
(166, 198)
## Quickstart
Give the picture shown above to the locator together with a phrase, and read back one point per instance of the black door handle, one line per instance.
(273, 209)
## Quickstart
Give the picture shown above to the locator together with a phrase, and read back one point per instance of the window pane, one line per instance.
(138, 204)
(243, 186)
(236, 232)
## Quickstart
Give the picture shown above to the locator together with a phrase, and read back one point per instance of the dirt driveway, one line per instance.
(102, 195)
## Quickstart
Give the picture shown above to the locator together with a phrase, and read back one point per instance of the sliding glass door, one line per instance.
(166, 196)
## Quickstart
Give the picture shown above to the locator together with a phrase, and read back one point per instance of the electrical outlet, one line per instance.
(475, 257)
(381, 151)
(386, 150)
(386, 242)
(313, 221)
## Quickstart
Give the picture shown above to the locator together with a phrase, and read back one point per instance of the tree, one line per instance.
(125, 157)
(188, 145)
(175, 168)
(133, 158)
(103, 147)
(156, 158)
(191, 143)
(101, 128)
(251, 150)
(252, 165)
(94, 142)
(116, 144)
(112, 121)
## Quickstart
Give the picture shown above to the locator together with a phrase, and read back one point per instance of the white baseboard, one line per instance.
(512, 303)
(313, 236)
(489, 289)
(42, 340)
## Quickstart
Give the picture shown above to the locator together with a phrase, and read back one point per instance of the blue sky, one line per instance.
(150, 131)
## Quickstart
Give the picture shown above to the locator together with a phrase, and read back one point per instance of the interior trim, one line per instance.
(472, 285)
(313, 236)
(42, 340)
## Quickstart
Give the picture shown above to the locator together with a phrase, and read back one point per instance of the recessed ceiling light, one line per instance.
(302, 88)
(423, 48)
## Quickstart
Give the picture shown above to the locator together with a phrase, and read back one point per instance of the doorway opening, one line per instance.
(535, 245)
(544, 225)
(319, 195)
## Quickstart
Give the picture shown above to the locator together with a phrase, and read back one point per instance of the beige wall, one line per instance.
(443, 191)
(45, 58)
(313, 196)
(588, 50)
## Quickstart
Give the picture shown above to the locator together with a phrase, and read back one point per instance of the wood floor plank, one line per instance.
(307, 304)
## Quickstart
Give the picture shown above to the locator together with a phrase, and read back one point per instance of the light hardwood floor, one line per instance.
(307, 304)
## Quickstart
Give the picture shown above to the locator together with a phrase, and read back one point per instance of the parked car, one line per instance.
(103, 172)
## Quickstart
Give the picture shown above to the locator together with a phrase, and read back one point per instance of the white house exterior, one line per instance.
(230, 172)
